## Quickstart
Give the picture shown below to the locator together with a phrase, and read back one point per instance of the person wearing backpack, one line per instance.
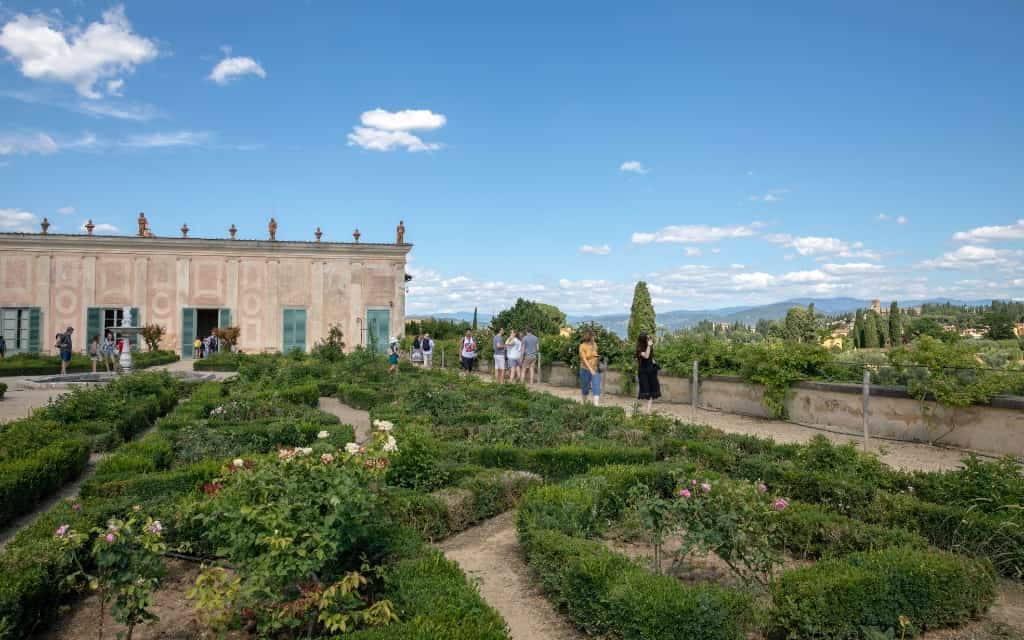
(64, 347)
(427, 345)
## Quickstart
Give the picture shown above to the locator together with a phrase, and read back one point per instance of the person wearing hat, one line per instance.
(64, 346)
(393, 355)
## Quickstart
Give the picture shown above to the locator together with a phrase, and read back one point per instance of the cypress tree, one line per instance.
(870, 331)
(474, 318)
(895, 325)
(641, 314)
(858, 330)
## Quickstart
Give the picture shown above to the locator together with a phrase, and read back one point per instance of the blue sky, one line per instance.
(735, 154)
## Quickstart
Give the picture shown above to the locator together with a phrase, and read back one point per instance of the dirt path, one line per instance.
(489, 553)
(356, 417)
(902, 455)
(22, 398)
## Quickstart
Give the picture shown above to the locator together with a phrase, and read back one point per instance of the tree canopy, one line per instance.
(544, 319)
(641, 314)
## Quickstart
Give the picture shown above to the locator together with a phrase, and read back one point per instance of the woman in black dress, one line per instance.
(647, 370)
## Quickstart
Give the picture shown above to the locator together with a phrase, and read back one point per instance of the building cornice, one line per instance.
(86, 244)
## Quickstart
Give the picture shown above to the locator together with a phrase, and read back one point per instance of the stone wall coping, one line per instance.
(877, 390)
(86, 244)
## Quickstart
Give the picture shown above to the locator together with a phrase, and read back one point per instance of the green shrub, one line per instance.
(307, 393)
(417, 465)
(606, 594)
(220, 361)
(25, 481)
(552, 462)
(572, 508)
(811, 531)
(838, 598)
(3, 390)
(356, 396)
(979, 484)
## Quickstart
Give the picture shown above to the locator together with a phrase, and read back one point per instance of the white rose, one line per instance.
(390, 445)
(238, 462)
(384, 425)
(305, 450)
(323, 434)
(352, 448)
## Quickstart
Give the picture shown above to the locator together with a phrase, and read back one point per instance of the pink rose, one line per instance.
(781, 504)
(685, 493)
(76, 507)
(110, 537)
(762, 487)
(62, 530)
(705, 487)
(693, 483)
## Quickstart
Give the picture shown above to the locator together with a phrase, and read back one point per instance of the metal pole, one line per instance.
(693, 392)
(539, 368)
(866, 409)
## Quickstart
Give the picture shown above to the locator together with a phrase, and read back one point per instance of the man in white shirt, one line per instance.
(427, 345)
(467, 351)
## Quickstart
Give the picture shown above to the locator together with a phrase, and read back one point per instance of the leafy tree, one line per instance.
(763, 327)
(883, 330)
(895, 325)
(800, 326)
(544, 319)
(1000, 326)
(152, 334)
(641, 314)
(871, 331)
(228, 334)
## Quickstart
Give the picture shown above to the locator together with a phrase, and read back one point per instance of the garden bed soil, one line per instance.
(489, 554)
(176, 613)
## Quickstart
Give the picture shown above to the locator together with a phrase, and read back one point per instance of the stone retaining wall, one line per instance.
(996, 428)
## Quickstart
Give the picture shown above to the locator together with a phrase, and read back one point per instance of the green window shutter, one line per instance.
(300, 328)
(224, 319)
(35, 327)
(93, 324)
(293, 325)
(379, 324)
(136, 322)
(188, 332)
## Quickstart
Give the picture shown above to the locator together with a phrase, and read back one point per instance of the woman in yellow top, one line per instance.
(590, 372)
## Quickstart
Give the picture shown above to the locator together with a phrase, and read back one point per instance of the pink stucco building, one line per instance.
(281, 294)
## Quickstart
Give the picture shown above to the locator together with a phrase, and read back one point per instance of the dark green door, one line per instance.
(293, 325)
(188, 332)
(378, 325)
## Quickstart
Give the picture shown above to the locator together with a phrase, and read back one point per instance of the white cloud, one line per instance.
(388, 130)
(234, 67)
(851, 268)
(133, 112)
(114, 87)
(597, 250)
(901, 219)
(756, 280)
(815, 245)
(983, 234)
(633, 166)
(405, 120)
(775, 195)
(27, 143)
(99, 227)
(803, 277)
(171, 139)
(883, 217)
(18, 221)
(47, 50)
(973, 257)
(696, 233)
(715, 250)
(66, 211)
(692, 252)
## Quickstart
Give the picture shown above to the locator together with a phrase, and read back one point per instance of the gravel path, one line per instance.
(356, 417)
(489, 553)
(21, 398)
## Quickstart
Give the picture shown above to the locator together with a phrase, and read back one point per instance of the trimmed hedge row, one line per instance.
(455, 508)
(26, 481)
(811, 531)
(3, 390)
(220, 361)
(39, 365)
(553, 463)
(836, 599)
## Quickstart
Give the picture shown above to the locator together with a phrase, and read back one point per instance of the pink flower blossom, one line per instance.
(781, 504)
(326, 458)
(155, 527)
(693, 483)
(685, 493)
(62, 530)
(705, 487)
(109, 537)
(762, 487)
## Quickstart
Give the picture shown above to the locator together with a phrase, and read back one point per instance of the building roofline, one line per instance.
(107, 243)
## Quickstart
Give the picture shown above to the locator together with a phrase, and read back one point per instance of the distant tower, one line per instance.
(876, 306)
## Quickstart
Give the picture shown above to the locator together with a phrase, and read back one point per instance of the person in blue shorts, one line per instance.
(393, 355)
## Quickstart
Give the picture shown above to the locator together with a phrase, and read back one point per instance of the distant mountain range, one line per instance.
(749, 315)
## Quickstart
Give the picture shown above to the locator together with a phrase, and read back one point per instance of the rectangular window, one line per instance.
(14, 326)
(293, 325)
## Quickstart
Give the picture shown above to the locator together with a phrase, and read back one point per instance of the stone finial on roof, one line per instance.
(355, 235)
(184, 230)
(233, 230)
(45, 224)
(89, 226)
(272, 228)
(318, 233)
